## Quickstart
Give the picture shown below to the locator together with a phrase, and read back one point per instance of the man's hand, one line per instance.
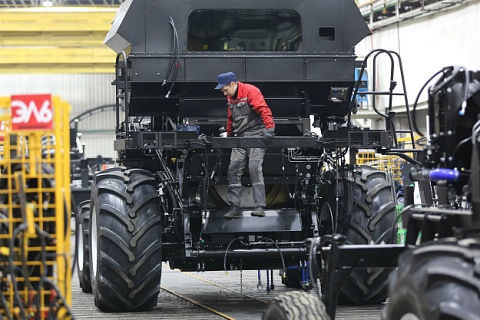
(268, 137)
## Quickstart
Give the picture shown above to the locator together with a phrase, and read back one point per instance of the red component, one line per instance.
(32, 112)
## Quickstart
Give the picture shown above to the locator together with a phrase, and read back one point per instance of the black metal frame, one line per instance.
(316, 81)
(432, 220)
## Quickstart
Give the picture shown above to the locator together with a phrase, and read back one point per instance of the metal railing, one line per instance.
(35, 214)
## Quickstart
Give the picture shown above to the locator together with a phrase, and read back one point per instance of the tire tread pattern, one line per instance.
(129, 240)
(437, 280)
(295, 305)
(83, 272)
(372, 218)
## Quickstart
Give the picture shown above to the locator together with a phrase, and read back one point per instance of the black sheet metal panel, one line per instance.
(329, 26)
(278, 142)
(274, 221)
(325, 58)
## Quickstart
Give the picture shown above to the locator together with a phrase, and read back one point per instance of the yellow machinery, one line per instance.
(391, 164)
(35, 214)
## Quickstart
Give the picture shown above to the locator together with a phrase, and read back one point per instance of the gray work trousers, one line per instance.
(238, 161)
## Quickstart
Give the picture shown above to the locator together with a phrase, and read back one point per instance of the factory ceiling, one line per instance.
(56, 3)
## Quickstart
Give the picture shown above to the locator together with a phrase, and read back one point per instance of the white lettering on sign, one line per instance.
(24, 112)
(32, 112)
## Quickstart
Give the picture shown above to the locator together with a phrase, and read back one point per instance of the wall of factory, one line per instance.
(83, 92)
(426, 44)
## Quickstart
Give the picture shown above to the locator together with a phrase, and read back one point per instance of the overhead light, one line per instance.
(47, 3)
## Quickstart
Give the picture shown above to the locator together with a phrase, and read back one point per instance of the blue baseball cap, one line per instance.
(224, 79)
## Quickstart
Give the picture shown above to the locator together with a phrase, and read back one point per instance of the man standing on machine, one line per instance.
(248, 116)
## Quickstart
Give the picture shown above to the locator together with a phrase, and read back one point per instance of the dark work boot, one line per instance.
(258, 212)
(234, 213)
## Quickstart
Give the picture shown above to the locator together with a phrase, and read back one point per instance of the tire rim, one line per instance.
(80, 258)
(409, 316)
(93, 246)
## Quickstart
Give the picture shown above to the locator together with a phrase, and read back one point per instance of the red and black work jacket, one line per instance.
(248, 111)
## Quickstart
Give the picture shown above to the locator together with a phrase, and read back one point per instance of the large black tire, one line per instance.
(366, 215)
(295, 305)
(83, 234)
(83, 251)
(373, 220)
(125, 240)
(437, 280)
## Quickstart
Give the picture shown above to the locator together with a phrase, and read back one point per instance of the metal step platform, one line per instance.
(280, 220)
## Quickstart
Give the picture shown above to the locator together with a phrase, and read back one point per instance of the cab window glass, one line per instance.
(244, 30)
